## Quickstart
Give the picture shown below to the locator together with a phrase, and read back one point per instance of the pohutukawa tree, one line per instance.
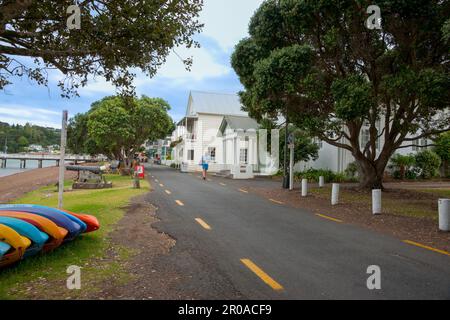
(116, 37)
(317, 60)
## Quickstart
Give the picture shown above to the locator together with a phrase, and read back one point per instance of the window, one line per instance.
(365, 138)
(212, 153)
(243, 157)
(190, 155)
(318, 142)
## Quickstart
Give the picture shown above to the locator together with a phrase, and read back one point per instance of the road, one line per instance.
(233, 244)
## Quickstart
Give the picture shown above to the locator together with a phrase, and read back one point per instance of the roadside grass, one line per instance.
(411, 205)
(45, 276)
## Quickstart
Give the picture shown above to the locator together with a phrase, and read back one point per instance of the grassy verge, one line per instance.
(418, 203)
(45, 276)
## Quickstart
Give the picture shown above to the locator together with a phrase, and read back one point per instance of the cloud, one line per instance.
(22, 114)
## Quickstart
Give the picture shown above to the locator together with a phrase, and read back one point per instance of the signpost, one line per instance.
(62, 166)
(291, 162)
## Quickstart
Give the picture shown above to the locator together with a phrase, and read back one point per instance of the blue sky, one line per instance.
(226, 23)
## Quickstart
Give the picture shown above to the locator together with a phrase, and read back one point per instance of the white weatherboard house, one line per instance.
(216, 128)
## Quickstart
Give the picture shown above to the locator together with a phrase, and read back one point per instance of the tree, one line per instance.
(118, 126)
(402, 163)
(305, 148)
(317, 63)
(442, 149)
(116, 36)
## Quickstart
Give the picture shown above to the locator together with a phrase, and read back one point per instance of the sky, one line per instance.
(226, 22)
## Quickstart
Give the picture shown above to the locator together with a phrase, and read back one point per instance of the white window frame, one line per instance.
(243, 156)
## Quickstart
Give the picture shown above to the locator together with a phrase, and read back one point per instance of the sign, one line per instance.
(140, 171)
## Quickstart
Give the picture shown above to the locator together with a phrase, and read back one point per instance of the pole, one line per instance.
(62, 166)
(291, 169)
(285, 169)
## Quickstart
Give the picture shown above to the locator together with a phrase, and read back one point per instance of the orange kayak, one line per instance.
(18, 243)
(90, 221)
(56, 234)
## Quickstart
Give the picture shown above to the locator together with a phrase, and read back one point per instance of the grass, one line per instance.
(46, 275)
(411, 206)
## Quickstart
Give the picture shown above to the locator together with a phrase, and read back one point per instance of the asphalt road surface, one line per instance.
(234, 244)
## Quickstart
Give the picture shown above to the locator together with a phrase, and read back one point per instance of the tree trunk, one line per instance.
(371, 173)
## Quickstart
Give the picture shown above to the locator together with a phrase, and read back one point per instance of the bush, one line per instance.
(428, 163)
(351, 171)
(173, 165)
(402, 165)
(313, 175)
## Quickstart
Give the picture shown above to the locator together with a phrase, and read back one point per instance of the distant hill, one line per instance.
(20, 137)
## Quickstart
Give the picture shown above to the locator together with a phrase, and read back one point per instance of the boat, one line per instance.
(18, 245)
(30, 207)
(59, 219)
(4, 248)
(90, 221)
(25, 229)
(56, 234)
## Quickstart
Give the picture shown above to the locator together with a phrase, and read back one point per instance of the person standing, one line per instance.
(205, 166)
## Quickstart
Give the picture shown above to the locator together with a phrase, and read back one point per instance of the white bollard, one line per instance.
(321, 182)
(335, 194)
(376, 202)
(444, 215)
(304, 188)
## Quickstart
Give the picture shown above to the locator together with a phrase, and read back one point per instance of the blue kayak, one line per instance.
(4, 248)
(37, 237)
(59, 219)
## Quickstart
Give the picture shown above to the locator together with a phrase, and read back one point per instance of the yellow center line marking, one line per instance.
(242, 190)
(223, 184)
(161, 185)
(276, 201)
(168, 192)
(329, 218)
(426, 247)
(262, 275)
(181, 204)
(156, 180)
(203, 224)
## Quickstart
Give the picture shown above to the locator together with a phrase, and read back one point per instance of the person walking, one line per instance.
(205, 166)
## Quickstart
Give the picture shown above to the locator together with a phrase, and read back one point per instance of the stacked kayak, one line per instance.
(28, 230)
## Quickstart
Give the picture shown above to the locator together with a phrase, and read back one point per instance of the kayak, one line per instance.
(31, 207)
(38, 238)
(4, 248)
(59, 219)
(90, 221)
(56, 234)
(18, 245)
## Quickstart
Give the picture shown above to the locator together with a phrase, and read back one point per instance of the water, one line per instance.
(13, 166)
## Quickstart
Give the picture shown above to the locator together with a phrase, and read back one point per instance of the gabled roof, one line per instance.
(237, 122)
(214, 103)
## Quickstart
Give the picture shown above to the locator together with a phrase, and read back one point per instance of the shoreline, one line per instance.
(16, 185)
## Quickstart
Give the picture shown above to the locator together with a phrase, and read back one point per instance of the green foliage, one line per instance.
(352, 170)
(317, 62)
(403, 166)
(428, 163)
(19, 137)
(305, 148)
(116, 37)
(443, 146)
(313, 175)
(117, 126)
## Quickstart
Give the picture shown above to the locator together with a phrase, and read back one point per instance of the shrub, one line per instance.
(313, 175)
(173, 165)
(402, 165)
(428, 163)
(351, 171)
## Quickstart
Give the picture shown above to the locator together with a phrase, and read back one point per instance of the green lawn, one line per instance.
(48, 272)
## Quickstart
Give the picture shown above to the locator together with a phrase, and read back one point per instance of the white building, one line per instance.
(215, 127)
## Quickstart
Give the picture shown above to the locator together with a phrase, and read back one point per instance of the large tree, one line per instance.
(118, 126)
(317, 63)
(116, 38)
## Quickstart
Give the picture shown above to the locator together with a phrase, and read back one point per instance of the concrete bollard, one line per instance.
(376, 202)
(335, 194)
(444, 215)
(321, 182)
(304, 188)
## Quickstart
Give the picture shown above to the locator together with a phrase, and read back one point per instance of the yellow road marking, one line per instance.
(262, 275)
(329, 218)
(426, 247)
(276, 201)
(161, 185)
(156, 180)
(203, 224)
(168, 192)
(242, 190)
(181, 204)
(223, 184)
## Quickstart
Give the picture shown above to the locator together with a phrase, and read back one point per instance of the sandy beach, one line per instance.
(14, 186)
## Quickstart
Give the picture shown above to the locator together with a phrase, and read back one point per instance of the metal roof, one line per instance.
(214, 103)
(238, 122)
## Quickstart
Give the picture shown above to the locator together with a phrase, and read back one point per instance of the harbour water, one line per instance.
(13, 166)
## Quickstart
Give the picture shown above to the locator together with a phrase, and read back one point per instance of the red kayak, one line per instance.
(90, 221)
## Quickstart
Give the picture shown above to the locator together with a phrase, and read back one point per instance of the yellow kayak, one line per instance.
(18, 245)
